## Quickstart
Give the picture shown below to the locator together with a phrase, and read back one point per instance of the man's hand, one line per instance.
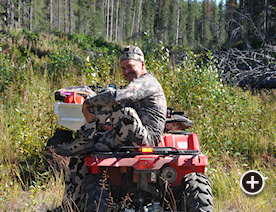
(87, 111)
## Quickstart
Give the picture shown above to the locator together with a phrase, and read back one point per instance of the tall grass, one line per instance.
(44, 191)
(236, 128)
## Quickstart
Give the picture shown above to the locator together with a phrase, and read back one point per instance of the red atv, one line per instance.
(169, 177)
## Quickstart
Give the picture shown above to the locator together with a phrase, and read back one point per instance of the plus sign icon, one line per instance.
(252, 182)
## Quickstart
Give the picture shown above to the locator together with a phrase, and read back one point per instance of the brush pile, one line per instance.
(254, 69)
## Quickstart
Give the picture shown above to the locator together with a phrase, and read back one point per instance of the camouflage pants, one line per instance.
(127, 130)
(76, 174)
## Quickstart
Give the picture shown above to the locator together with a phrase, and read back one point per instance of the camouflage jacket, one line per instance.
(145, 95)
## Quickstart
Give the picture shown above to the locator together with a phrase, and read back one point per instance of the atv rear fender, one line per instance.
(183, 163)
(181, 142)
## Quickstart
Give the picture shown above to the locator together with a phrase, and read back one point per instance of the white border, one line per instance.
(250, 193)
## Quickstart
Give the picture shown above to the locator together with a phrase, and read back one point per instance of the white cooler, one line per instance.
(70, 115)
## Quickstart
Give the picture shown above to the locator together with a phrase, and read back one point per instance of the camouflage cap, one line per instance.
(132, 52)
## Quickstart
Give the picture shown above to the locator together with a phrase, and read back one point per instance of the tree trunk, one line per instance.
(107, 20)
(177, 26)
(122, 20)
(71, 9)
(111, 21)
(133, 20)
(189, 22)
(25, 14)
(65, 11)
(59, 16)
(265, 20)
(34, 15)
(19, 14)
(8, 13)
(12, 15)
(51, 14)
(117, 17)
(30, 16)
(79, 18)
(139, 16)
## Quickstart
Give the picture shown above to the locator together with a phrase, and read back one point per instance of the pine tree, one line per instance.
(204, 24)
(172, 27)
(148, 11)
(71, 16)
(233, 22)
(117, 20)
(193, 26)
(221, 31)
(51, 14)
(183, 40)
(9, 13)
(39, 18)
(97, 22)
(83, 13)
(217, 24)
(161, 20)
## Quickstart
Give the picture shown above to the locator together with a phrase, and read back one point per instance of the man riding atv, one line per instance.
(136, 115)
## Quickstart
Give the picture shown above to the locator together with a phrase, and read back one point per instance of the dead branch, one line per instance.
(248, 68)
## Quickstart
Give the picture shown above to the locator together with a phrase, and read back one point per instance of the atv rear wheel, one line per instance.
(197, 193)
(95, 194)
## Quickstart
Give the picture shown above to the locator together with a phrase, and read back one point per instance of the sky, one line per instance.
(218, 1)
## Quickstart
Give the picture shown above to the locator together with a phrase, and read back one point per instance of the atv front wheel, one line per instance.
(197, 193)
(95, 194)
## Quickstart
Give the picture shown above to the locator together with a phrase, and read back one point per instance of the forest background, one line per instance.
(49, 44)
(188, 23)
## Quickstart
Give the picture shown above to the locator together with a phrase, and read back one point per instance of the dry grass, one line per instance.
(228, 196)
(42, 195)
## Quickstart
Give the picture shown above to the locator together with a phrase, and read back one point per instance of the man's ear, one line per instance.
(143, 64)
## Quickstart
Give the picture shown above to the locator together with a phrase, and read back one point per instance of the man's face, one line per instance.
(132, 69)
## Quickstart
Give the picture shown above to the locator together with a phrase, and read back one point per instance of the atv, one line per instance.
(168, 177)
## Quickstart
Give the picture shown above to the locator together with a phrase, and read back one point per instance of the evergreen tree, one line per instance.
(39, 18)
(183, 39)
(9, 13)
(232, 21)
(255, 30)
(172, 14)
(191, 23)
(83, 16)
(197, 28)
(221, 31)
(161, 20)
(262, 15)
(271, 21)
(98, 19)
(148, 17)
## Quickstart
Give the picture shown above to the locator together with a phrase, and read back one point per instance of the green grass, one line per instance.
(236, 128)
